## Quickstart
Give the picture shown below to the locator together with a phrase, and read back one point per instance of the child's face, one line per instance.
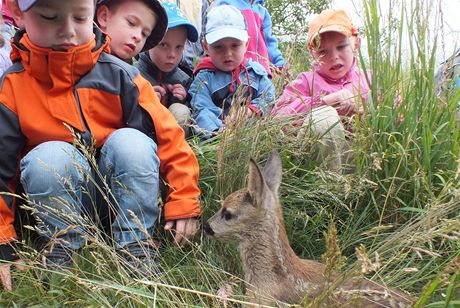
(59, 24)
(335, 54)
(227, 53)
(168, 53)
(129, 24)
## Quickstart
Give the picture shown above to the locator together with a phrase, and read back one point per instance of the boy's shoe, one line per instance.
(57, 257)
(141, 259)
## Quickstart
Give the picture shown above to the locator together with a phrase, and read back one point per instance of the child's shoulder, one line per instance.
(256, 67)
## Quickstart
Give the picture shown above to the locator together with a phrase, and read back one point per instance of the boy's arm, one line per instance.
(11, 143)
(205, 112)
(271, 42)
(178, 164)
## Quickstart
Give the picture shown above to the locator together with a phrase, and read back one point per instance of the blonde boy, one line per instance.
(63, 84)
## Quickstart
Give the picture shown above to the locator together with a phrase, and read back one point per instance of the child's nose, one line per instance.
(137, 35)
(67, 29)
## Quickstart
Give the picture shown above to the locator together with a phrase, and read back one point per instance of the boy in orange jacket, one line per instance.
(64, 85)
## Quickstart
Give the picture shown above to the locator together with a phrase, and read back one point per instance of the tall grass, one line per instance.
(399, 207)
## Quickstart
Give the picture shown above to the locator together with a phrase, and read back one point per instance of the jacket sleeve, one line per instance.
(205, 113)
(271, 42)
(266, 94)
(178, 164)
(11, 143)
(296, 98)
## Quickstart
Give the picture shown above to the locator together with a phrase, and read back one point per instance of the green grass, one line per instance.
(401, 202)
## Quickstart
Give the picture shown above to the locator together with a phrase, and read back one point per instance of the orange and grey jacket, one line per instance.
(94, 93)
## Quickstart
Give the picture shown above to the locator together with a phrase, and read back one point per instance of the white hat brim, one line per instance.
(224, 32)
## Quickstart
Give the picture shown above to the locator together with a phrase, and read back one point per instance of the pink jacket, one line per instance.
(305, 92)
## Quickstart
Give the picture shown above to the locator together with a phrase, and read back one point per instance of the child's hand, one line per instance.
(161, 92)
(233, 117)
(185, 229)
(343, 101)
(178, 91)
(5, 274)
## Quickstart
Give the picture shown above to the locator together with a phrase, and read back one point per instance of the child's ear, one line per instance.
(356, 44)
(205, 45)
(102, 16)
(15, 12)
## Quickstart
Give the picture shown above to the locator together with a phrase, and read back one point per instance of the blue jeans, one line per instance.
(62, 184)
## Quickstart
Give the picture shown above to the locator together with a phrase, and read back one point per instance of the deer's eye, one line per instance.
(226, 215)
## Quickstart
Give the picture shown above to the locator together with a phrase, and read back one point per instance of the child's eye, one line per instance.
(340, 47)
(81, 18)
(48, 17)
(145, 34)
(322, 53)
(131, 23)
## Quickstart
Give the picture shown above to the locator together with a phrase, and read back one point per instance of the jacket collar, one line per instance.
(59, 69)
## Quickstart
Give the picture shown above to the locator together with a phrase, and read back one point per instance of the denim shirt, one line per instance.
(212, 96)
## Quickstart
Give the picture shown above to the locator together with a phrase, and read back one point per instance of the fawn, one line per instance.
(252, 218)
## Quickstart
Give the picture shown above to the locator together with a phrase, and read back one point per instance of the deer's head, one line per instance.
(245, 210)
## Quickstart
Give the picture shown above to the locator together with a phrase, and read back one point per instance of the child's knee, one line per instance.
(130, 147)
(52, 164)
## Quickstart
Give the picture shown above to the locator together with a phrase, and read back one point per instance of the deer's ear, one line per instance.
(273, 171)
(255, 182)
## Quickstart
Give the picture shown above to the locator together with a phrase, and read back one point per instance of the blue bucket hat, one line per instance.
(177, 19)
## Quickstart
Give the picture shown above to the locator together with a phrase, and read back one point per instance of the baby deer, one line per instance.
(252, 218)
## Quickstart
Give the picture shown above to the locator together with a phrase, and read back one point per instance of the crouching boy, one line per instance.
(64, 85)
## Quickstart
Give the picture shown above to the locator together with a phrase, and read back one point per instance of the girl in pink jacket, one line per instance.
(334, 88)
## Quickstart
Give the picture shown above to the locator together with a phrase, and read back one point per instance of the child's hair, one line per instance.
(160, 27)
(329, 21)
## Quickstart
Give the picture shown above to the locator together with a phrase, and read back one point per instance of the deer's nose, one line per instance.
(207, 229)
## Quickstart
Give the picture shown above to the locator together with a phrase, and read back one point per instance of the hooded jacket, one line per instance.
(94, 93)
(305, 92)
(263, 46)
(213, 92)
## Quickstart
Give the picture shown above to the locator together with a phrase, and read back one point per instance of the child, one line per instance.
(64, 85)
(195, 12)
(160, 66)
(262, 46)
(225, 70)
(335, 86)
(134, 26)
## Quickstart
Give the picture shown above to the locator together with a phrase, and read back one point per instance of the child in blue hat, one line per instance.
(159, 65)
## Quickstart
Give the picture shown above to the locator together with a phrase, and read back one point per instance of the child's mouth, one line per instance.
(336, 67)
